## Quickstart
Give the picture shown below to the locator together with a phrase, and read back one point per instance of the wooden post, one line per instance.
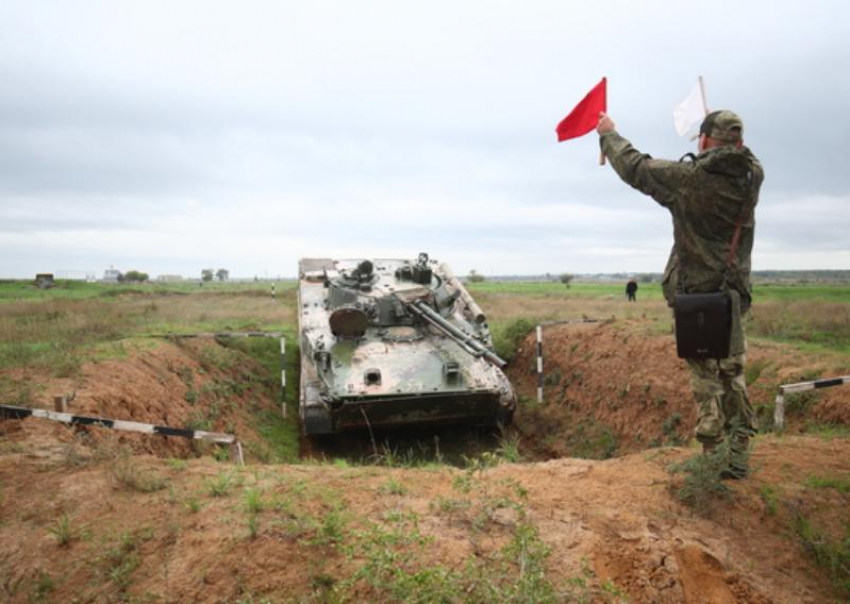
(60, 404)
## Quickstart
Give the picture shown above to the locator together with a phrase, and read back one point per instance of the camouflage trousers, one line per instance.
(720, 389)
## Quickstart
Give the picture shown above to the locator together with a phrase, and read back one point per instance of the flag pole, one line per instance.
(702, 90)
(602, 153)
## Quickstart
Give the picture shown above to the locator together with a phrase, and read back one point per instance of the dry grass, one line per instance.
(50, 334)
(811, 321)
(232, 312)
(505, 307)
(57, 335)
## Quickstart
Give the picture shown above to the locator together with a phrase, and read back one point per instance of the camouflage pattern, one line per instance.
(723, 126)
(371, 357)
(720, 390)
(706, 197)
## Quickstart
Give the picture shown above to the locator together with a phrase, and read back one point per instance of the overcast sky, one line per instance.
(170, 136)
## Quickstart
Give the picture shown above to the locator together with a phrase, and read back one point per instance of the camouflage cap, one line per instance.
(724, 126)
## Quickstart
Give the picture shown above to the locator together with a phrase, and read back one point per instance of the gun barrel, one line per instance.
(471, 306)
(467, 342)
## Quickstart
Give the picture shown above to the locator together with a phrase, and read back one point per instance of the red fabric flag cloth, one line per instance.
(584, 116)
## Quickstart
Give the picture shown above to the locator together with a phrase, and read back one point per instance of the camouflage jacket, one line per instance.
(706, 196)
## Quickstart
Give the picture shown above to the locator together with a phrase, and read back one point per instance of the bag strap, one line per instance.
(736, 237)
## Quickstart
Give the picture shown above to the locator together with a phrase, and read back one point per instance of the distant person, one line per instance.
(712, 197)
(631, 290)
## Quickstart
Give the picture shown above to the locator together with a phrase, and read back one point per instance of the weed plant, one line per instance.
(193, 505)
(44, 585)
(120, 561)
(771, 500)
(831, 554)
(62, 531)
(703, 486)
(393, 487)
(508, 449)
(253, 525)
(125, 473)
(393, 564)
(591, 440)
(221, 485)
(254, 502)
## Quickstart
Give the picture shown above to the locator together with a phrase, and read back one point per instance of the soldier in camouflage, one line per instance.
(707, 195)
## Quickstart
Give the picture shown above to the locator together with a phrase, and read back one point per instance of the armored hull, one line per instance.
(392, 342)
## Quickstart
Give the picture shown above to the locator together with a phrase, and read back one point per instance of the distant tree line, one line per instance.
(133, 277)
(475, 277)
(208, 274)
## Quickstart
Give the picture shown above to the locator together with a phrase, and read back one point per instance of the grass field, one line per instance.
(63, 326)
(652, 291)
(17, 290)
(813, 316)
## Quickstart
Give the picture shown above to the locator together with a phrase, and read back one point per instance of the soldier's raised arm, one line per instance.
(661, 179)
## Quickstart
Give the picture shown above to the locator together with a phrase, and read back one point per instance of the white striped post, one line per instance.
(272, 291)
(14, 412)
(236, 454)
(539, 363)
(283, 375)
(779, 409)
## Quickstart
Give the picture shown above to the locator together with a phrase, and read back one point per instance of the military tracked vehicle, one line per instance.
(390, 342)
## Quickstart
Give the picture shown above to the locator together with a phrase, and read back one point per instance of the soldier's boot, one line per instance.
(709, 446)
(739, 454)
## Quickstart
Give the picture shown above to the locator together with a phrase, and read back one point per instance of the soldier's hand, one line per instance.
(606, 124)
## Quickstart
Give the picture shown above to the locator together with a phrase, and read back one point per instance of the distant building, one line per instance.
(169, 278)
(76, 275)
(44, 280)
(111, 275)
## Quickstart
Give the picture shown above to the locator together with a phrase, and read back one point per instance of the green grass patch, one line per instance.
(508, 336)
(828, 431)
(770, 498)
(591, 440)
(840, 483)
(832, 554)
(647, 291)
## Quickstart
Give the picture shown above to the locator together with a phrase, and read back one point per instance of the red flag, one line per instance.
(584, 117)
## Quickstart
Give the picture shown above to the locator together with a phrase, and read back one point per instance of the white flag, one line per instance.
(690, 111)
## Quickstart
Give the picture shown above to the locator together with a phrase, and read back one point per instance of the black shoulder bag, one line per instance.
(704, 321)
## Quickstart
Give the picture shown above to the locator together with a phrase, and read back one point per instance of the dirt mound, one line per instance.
(195, 384)
(602, 531)
(612, 388)
(80, 520)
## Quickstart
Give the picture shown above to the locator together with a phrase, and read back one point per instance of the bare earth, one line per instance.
(615, 529)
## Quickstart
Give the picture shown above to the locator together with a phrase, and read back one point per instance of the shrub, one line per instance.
(703, 486)
(508, 336)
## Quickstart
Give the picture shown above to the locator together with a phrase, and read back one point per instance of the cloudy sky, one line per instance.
(169, 136)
